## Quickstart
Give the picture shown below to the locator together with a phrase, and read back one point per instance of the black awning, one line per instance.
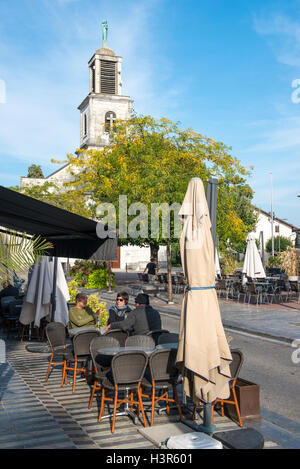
(71, 235)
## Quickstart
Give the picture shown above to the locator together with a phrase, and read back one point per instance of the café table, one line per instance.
(72, 332)
(112, 351)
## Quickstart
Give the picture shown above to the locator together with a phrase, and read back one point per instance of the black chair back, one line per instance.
(82, 341)
(56, 334)
(129, 367)
(102, 342)
(236, 364)
(140, 341)
(155, 334)
(168, 338)
(162, 364)
(118, 334)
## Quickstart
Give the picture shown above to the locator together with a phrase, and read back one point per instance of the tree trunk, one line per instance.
(169, 270)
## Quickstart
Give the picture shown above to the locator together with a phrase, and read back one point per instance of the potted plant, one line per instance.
(289, 263)
(95, 304)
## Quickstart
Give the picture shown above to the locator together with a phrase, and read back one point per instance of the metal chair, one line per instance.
(163, 374)
(140, 341)
(127, 371)
(11, 315)
(101, 363)
(235, 367)
(56, 335)
(80, 355)
(253, 290)
(168, 338)
(118, 334)
(155, 334)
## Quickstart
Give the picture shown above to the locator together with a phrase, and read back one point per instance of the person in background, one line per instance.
(8, 290)
(120, 311)
(151, 269)
(81, 314)
(141, 320)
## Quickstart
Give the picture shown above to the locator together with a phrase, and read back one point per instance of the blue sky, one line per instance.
(222, 67)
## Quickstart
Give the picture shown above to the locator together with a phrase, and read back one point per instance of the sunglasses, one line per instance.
(120, 299)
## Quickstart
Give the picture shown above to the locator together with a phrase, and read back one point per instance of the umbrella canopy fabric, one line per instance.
(217, 264)
(38, 301)
(203, 352)
(71, 235)
(252, 263)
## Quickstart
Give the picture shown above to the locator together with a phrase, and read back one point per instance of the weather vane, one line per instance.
(104, 33)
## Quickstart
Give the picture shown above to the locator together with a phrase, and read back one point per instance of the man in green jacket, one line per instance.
(81, 314)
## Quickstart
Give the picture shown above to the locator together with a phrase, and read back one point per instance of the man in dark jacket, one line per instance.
(141, 320)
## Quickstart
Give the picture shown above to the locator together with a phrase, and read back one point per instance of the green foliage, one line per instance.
(18, 252)
(86, 266)
(95, 304)
(274, 261)
(228, 262)
(35, 171)
(99, 279)
(152, 161)
(73, 290)
(280, 244)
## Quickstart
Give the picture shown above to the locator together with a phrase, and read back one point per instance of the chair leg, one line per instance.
(139, 392)
(102, 405)
(115, 410)
(74, 376)
(177, 402)
(152, 404)
(93, 392)
(64, 373)
(49, 367)
(237, 407)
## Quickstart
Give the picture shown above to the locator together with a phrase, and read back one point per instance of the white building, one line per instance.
(281, 227)
(101, 107)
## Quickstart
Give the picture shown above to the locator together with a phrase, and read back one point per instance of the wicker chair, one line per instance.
(235, 367)
(155, 334)
(168, 338)
(80, 355)
(56, 335)
(144, 341)
(118, 334)
(100, 362)
(127, 371)
(163, 374)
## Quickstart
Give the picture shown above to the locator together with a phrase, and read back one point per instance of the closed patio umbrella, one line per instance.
(203, 352)
(37, 303)
(253, 266)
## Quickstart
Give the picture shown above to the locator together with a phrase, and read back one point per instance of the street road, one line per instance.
(268, 364)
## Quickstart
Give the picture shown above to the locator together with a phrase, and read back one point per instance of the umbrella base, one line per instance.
(206, 428)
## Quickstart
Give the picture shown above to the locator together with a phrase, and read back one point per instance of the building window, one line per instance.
(108, 77)
(110, 118)
(84, 125)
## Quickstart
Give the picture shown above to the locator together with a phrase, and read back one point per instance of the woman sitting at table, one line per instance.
(81, 314)
(120, 311)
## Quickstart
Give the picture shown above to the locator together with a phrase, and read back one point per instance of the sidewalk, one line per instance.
(277, 321)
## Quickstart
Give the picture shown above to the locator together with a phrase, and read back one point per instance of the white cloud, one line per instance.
(283, 36)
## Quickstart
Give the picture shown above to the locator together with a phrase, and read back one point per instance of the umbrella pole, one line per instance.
(109, 277)
(53, 296)
(207, 426)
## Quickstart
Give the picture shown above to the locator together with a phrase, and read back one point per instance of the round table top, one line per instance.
(114, 350)
(75, 330)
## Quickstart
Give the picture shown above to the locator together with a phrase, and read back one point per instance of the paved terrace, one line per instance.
(36, 414)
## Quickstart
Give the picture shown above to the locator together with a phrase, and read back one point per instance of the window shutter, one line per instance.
(108, 77)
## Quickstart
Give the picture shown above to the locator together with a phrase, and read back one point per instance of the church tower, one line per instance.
(105, 102)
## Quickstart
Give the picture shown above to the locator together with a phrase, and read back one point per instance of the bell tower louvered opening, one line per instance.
(108, 77)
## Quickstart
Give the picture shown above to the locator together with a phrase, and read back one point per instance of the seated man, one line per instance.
(81, 314)
(141, 320)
